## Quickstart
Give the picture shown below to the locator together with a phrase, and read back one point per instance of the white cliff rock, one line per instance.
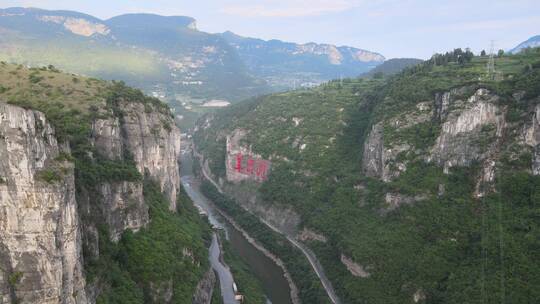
(532, 138)
(379, 161)
(457, 143)
(154, 141)
(355, 269)
(150, 137)
(252, 166)
(40, 249)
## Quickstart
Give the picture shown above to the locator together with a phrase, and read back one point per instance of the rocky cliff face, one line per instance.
(241, 163)
(473, 129)
(40, 249)
(469, 131)
(205, 288)
(153, 141)
(150, 138)
(531, 135)
(459, 141)
(245, 171)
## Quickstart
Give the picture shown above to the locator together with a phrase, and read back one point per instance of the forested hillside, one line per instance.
(92, 209)
(418, 187)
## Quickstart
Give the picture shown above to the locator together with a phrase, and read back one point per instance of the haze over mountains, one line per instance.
(169, 56)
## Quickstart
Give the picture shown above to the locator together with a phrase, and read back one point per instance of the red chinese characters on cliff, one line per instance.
(258, 168)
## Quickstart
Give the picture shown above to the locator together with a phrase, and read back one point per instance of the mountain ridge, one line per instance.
(403, 186)
(168, 55)
(529, 43)
(281, 63)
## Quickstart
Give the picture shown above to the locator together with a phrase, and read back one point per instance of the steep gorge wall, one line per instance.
(43, 225)
(151, 138)
(243, 181)
(40, 248)
(153, 142)
(531, 136)
(472, 127)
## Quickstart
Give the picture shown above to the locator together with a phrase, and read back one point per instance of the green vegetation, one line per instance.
(217, 298)
(449, 245)
(15, 278)
(248, 284)
(50, 176)
(148, 262)
(143, 57)
(310, 288)
(169, 254)
(391, 67)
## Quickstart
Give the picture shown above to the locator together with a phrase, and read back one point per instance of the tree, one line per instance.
(483, 53)
(500, 53)
(378, 75)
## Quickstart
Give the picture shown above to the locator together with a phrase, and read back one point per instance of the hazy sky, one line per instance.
(395, 28)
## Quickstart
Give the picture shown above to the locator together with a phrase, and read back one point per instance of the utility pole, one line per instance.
(491, 62)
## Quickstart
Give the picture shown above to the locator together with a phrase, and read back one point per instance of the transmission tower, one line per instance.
(491, 63)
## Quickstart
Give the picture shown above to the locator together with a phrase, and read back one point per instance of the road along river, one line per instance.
(276, 287)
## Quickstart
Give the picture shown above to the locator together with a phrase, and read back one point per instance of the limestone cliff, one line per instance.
(205, 288)
(459, 141)
(531, 135)
(150, 137)
(469, 128)
(153, 141)
(244, 173)
(40, 249)
(472, 128)
(42, 222)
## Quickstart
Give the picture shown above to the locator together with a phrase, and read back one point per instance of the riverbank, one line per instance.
(247, 283)
(308, 286)
(314, 263)
(275, 285)
(293, 289)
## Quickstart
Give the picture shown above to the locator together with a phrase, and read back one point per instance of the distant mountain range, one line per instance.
(169, 57)
(530, 43)
(282, 63)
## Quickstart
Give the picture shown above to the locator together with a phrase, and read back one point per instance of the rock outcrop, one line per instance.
(205, 288)
(310, 235)
(470, 129)
(241, 163)
(355, 269)
(373, 157)
(378, 159)
(532, 138)
(472, 124)
(475, 121)
(43, 225)
(124, 207)
(149, 137)
(40, 250)
(152, 140)
(283, 218)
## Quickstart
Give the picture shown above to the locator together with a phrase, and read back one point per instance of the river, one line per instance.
(275, 286)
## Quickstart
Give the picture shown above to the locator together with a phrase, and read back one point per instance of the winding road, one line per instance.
(313, 261)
